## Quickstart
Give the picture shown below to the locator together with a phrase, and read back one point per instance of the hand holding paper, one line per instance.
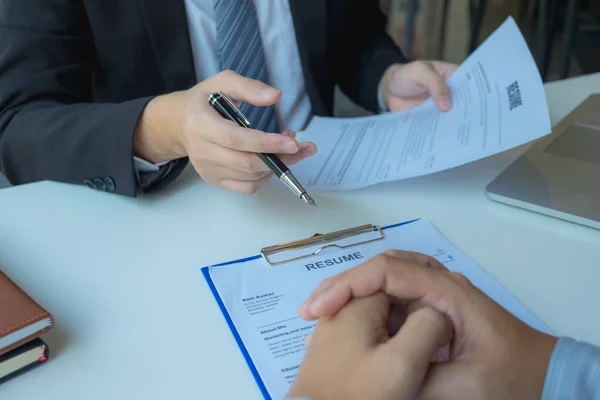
(498, 103)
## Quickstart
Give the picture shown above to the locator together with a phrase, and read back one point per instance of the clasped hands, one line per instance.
(402, 326)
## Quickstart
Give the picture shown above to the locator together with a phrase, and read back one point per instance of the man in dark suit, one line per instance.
(113, 94)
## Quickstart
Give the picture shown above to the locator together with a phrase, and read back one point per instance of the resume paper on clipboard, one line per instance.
(260, 302)
(498, 103)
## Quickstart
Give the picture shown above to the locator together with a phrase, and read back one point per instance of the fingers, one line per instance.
(364, 280)
(289, 133)
(423, 333)
(366, 318)
(393, 276)
(419, 258)
(240, 88)
(346, 285)
(397, 317)
(224, 153)
(228, 134)
(306, 149)
(445, 69)
(426, 75)
(323, 287)
(246, 163)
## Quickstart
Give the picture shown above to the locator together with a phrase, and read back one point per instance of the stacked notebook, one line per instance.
(22, 321)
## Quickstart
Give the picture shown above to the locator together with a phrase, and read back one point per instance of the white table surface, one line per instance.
(135, 319)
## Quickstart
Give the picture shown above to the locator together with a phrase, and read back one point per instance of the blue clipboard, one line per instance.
(234, 331)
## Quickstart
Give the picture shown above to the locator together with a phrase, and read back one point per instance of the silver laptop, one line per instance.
(560, 174)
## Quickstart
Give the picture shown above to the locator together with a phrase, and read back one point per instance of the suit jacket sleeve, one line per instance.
(364, 52)
(49, 127)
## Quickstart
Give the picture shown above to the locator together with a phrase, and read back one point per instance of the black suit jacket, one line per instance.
(75, 76)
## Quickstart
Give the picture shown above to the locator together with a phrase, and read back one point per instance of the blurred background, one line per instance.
(563, 35)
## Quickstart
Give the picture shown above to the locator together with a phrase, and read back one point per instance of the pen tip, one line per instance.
(309, 200)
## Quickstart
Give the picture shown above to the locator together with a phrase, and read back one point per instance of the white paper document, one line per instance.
(498, 103)
(260, 302)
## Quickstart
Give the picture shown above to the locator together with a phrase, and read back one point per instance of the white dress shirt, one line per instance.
(281, 56)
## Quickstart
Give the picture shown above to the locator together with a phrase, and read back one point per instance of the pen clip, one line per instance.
(235, 109)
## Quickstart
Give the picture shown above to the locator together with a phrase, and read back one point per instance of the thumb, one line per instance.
(423, 333)
(436, 85)
(242, 89)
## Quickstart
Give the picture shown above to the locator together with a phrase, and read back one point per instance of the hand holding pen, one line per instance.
(227, 109)
(183, 124)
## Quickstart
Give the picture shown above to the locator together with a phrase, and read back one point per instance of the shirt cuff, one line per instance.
(574, 371)
(142, 165)
(148, 173)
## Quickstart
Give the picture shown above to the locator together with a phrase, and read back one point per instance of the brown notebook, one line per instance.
(21, 318)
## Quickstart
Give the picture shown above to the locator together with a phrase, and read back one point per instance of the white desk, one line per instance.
(135, 319)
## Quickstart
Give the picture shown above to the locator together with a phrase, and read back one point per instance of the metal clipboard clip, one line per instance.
(326, 240)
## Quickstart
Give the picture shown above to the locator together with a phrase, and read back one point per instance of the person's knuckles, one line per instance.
(411, 256)
(385, 258)
(416, 71)
(424, 73)
(385, 263)
(366, 316)
(423, 259)
(370, 305)
(236, 138)
(460, 279)
(227, 74)
(191, 126)
(224, 80)
(419, 66)
(394, 253)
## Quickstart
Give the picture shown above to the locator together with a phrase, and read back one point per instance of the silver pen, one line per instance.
(224, 106)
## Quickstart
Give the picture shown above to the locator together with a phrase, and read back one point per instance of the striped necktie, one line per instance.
(241, 50)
